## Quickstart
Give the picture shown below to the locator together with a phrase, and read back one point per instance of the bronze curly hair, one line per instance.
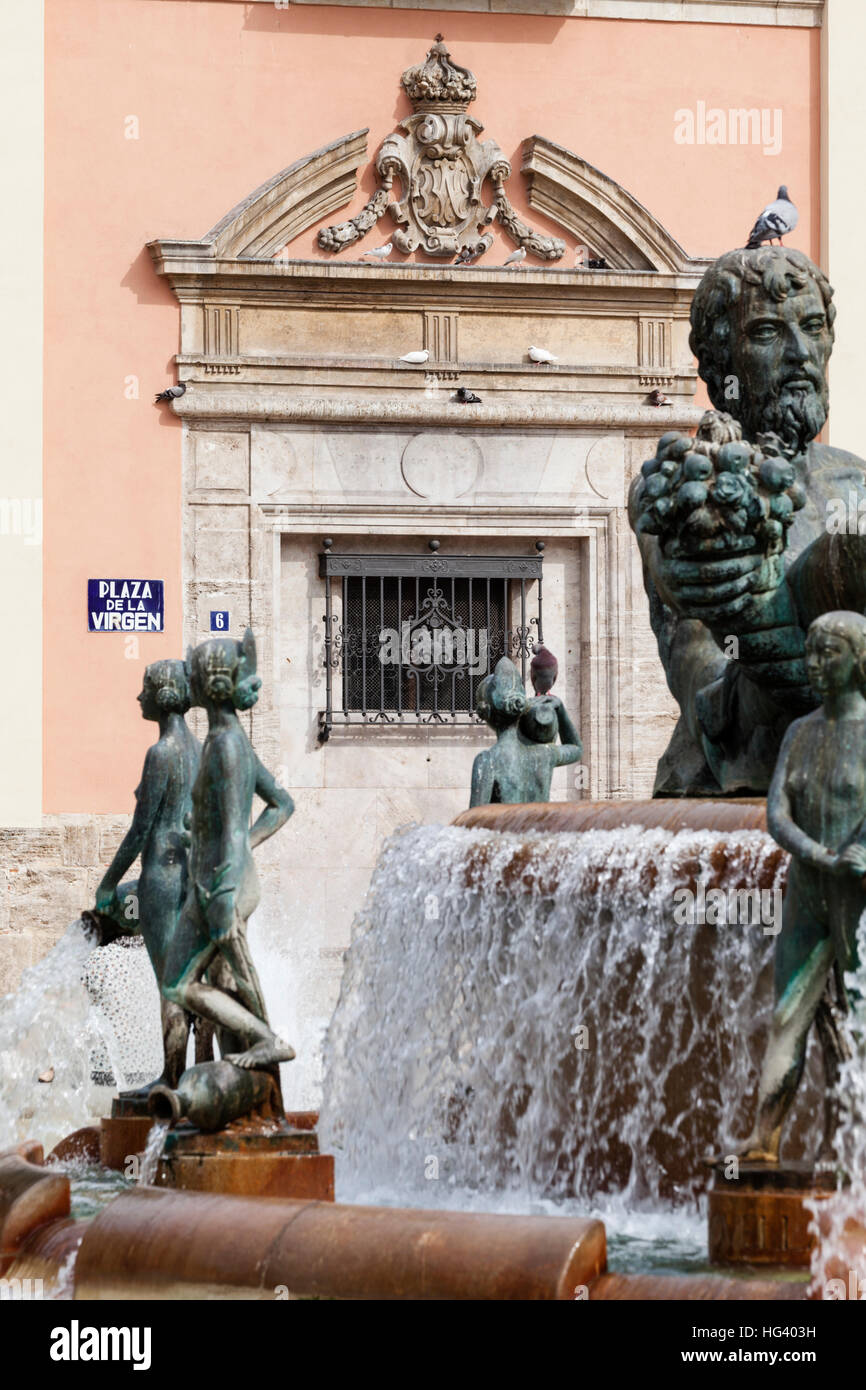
(222, 672)
(779, 270)
(169, 684)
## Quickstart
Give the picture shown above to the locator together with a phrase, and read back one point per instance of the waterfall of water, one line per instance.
(839, 1222)
(152, 1152)
(526, 1014)
(53, 1024)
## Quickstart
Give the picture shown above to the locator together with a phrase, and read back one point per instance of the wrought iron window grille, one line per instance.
(414, 635)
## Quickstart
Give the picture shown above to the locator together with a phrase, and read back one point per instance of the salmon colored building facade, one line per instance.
(656, 129)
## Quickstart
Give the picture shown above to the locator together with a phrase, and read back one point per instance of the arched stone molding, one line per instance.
(599, 211)
(293, 200)
(298, 411)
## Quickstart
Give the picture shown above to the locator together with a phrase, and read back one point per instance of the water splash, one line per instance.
(64, 1285)
(51, 1022)
(839, 1221)
(522, 1019)
(152, 1153)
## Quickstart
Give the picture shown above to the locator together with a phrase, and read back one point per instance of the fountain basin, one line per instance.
(150, 1243)
(673, 814)
(31, 1197)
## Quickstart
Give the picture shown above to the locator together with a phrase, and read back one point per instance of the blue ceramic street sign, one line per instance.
(125, 605)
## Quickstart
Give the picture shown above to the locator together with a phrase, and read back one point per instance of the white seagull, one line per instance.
(777, 220)
(538, 354)
(516, 257)
(416, 359)
(380, 251)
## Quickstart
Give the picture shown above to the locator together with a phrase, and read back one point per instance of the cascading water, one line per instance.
(839, 1221)
(152, 1152)
(523, 1018)
(52, 1024)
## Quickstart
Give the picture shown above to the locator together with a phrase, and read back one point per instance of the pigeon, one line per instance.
(463, 396)
(597, 263)
(657, 397)
(172, 393)
(380, 251)
(516, 257)
(416, 358)
(471, 252)
(775, 221)
(538, 354)
(543, 669)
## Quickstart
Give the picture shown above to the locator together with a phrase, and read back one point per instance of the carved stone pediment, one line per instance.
(442, 167)
(599, 212)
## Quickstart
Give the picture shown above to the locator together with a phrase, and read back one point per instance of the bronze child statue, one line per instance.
(157, 833)
(224, 888)
(519, 767)
(816, 809)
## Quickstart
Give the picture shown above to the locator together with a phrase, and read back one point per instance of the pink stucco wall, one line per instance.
(226, 94)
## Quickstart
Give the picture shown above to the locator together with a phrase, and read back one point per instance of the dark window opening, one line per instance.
(408, 639)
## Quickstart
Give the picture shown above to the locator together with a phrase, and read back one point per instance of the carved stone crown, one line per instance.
(438, 82)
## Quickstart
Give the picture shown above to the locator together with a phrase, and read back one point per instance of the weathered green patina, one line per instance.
(738, 553)
(816, 809)
(163, 802)
(519, 767)
(223, 889)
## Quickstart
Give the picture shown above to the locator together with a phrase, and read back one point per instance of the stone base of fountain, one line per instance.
(760, 1217)
(82, 1146)
(124, 1133)
(247, 1158)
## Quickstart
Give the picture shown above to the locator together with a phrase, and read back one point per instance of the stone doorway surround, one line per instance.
(301, 422)
(299, 413)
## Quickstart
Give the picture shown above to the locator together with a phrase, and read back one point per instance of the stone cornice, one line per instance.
(195, 275)
(220, 403)
(780, 13)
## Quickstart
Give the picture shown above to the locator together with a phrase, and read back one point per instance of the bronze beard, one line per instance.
(796, 414)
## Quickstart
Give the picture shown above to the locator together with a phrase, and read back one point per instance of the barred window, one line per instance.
(409, 638)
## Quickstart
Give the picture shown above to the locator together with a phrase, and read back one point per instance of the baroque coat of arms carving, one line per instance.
(442, 167)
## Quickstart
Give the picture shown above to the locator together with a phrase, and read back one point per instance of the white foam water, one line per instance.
(522, 1020)
(152, 1153)
(839, 1221)
(51, 1023)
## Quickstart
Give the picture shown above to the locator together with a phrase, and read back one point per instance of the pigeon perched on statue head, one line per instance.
(171, 393)
(777, 219)
(543, 669)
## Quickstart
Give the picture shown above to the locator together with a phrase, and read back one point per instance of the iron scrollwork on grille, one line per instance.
(414, 635)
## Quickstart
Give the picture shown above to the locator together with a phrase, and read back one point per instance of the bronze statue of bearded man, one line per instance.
(738, 529)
